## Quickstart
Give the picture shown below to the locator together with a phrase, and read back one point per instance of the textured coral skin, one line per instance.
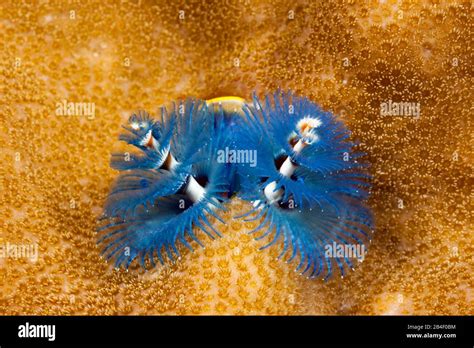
(55, 172)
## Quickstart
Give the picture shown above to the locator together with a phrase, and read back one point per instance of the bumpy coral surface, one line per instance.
(349, 57)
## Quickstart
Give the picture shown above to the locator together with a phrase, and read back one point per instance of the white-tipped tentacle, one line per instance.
(287, 169)
(193, 190)
(305, 127)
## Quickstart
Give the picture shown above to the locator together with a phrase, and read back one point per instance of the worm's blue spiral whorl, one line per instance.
(174, 184)
(141, 130)
(309, 186)
(292, 160)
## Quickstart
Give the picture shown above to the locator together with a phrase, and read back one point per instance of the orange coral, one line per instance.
(349, 57)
